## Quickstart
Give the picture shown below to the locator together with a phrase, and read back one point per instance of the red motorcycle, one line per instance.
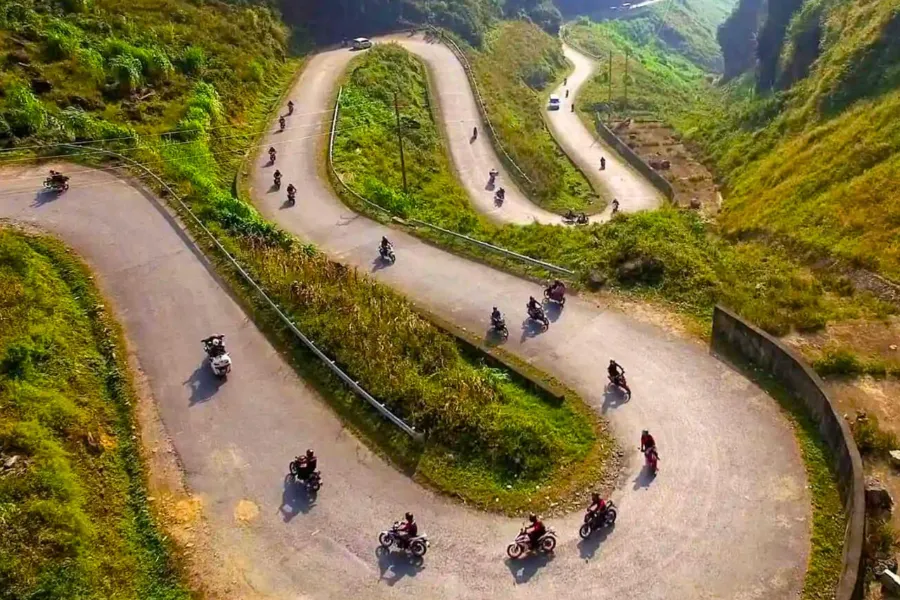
(651, 459)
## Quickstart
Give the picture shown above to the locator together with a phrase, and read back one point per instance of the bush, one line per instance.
(23, 111)
(127, 72)
(193, 61)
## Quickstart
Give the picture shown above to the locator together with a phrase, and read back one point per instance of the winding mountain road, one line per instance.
(727, 517)
(619, 180)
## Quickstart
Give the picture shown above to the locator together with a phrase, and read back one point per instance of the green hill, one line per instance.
(814, 164)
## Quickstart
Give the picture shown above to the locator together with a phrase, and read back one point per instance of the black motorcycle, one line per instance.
(313, 481)
(537, 314)
(387, 253)
(597, 520)
(499, 326)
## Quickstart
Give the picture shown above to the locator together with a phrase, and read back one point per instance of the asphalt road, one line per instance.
(727, 517)
(618, 180)
(732, 476)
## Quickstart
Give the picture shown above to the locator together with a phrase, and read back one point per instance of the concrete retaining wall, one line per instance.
(658, 181)
(734, 335)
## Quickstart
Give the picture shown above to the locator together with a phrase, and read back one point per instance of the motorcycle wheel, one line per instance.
(315, 485)
(548, 544)
(385, 539)
(418, 548)
(562, 301)
(294, 469)
(546, 323)
(505, 332)
(585, 531)
(514, 550)
(611, 515)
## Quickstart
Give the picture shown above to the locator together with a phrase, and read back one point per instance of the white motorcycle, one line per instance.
(417, 546)
(219, 361)
(522, 544)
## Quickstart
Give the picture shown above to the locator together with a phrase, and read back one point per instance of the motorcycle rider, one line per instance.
(281, 122)
(614, 370)
(57, 177)
(501, 194)
(535, 530)
(272, 153)
(308, 464)
(615, 206)
(533, 305)
(647, 442)
(407, 530)
(555, 286)
(385, 246)
(598, 506)
(290, 107)
(277, 178)
(493, 174)
(215, 345)
(602, 163)
(496, 318)
(475, 133)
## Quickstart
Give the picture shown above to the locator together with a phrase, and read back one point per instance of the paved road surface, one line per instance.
(619, 180)
(732, 477)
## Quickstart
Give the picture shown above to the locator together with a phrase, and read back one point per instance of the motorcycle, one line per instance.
(492, 177)
(281, 123)
(537, 314)
(574, 217)
(522, 544)
(313, 481)
(499, 196)
(556, 293)
(651, 460)
(594, 520)
(219, 361)
(499, 326)
(387, 253)
(57, 183)
(277, 181)
(619, 381)
(292, 198)
(272, 155)
(417, 545)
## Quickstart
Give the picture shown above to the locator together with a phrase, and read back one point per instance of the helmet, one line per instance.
(532, 517)
(409, 517)
(595, 497)
(310, 453)
(612, 361)
(645, 432)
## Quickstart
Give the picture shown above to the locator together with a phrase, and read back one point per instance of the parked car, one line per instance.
(554, 102)
(362, 43)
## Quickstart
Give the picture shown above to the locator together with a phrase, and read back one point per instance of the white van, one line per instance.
(554, 102)
(362, 43)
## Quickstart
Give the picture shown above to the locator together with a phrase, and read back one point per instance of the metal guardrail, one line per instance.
(460, 55)
(353, 385)
(358, 196)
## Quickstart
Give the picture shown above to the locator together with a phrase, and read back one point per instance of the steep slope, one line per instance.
(814, 164)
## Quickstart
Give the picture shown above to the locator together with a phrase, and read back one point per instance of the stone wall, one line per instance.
(658, 181)
(733, 335)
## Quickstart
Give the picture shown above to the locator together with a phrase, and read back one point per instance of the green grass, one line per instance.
(515, 68)
(74, 512)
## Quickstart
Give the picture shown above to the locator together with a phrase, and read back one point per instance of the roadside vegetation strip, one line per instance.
(666, 255)
(73, 505)
(514, 67)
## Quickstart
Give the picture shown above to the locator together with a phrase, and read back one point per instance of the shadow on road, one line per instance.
(44, 197)
(492, 337)
(394, 566)
(531, 328)
(274, 188)
(203, 383)
(613, 397)
(295, 499)
(380, 263)
(587, 548)
(553, 310)
(285, 204)
(525, 568)
(644, 478)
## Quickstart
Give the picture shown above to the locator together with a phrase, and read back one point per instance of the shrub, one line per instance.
(126, 70)
(24, 112)
(193, 61)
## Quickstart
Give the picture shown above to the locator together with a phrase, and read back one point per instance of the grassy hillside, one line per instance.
(515, 69)
(815, 165)
(213, 73)
(73, 508)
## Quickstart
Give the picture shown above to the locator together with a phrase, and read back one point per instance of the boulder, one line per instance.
(890, 582)
(10, 462)
(39, 85)
(895, 458)
(877, 496)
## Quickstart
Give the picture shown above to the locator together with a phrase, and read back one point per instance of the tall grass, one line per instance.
(73, 510)
(516, 65)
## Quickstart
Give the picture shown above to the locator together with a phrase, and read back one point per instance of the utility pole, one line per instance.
(609, 80)
(400, 138)
(625, 108)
